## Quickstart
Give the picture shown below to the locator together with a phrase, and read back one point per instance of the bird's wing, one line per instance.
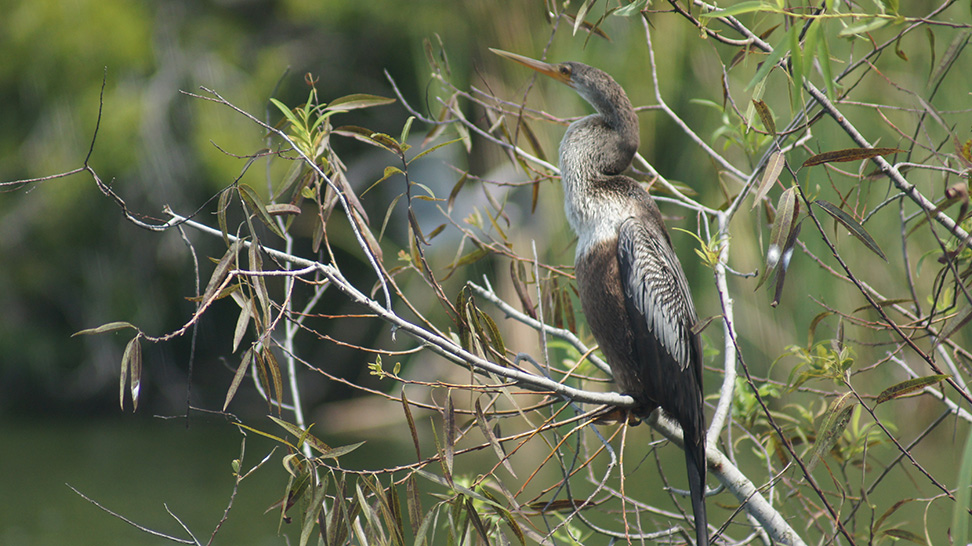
(656, 291)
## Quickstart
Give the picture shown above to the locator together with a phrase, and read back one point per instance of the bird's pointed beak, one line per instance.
(546, 69)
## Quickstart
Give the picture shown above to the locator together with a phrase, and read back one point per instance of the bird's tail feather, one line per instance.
(695, 465)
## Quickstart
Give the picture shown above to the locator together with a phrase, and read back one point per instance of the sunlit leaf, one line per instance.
(740, 8)
(850, 154)
(787, 210)
(863, 27)
(355, 101)
(774, 166)
(104, 328)
(907, 387)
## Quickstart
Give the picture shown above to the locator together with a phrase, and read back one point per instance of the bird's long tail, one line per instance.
(695, 465)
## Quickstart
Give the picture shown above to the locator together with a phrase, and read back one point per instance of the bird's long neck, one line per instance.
(594, 148)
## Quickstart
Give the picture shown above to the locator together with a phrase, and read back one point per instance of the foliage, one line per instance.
(524, 447)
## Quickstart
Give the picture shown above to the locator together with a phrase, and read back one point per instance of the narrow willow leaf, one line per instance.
(740, 8)
(313, 508)
(835, 421)
(450, 432)
(242, 322)
(422, 535)
(850, 154)
(823, 57)
(796, 64)
(785, 263)
(951, 54)
(765, 116)
(274, 368)
(908, 387)
(455, 191)
(810, 42)
(255, 202)
(257, 281)
(411, 425)
(492, 332)
(774, 166)
(340, 451)
(906, 535)
(960, 321)
(359, 100)
(582, 14)
(476, 520)
(395, 506)
(283, 209)
(787, 210)
(493, 442)
(863, 27)
(135, 371)
(414, 502)
(898, 51)
(781, 49)
(432, 149)
(104, 328)
(126, 361)
(856, 229)
(963, 496)
(222, 207)
(245, 362)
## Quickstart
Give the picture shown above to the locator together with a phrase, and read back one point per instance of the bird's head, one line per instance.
(562, 72)
(595, 85)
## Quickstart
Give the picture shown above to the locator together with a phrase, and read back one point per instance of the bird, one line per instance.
(631, 285)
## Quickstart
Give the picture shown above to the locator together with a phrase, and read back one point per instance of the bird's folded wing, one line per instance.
(655, 289)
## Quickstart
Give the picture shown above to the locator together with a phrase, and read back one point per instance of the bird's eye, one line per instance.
(565, 70)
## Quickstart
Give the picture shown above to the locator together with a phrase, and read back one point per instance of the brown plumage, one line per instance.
(631, 284)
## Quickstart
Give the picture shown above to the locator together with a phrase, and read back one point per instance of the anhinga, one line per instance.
(631, 284)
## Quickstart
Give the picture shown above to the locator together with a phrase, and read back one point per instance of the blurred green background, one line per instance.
(69, 261)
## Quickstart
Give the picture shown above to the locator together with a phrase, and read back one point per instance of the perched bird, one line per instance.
(632, 287)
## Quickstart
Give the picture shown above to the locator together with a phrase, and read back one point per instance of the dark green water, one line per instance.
(134, 466)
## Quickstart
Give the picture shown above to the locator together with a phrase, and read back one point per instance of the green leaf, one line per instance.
(906, 535)
(255, 202)
(765, 116)
(406, 129)
(908, 387)
(245, 362)
(774, 166)
(856, 229)
(356, 101)
(227, 262)
(287, 112)
(434, 148)
(863, 27)
(740, 8)
(631, 9)
(131, 363)
(849, 154)
(823, 57)
(582, 14)
(773, 58)
(104, 328)
(787, 210)
(835, 421)
(963, 496)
